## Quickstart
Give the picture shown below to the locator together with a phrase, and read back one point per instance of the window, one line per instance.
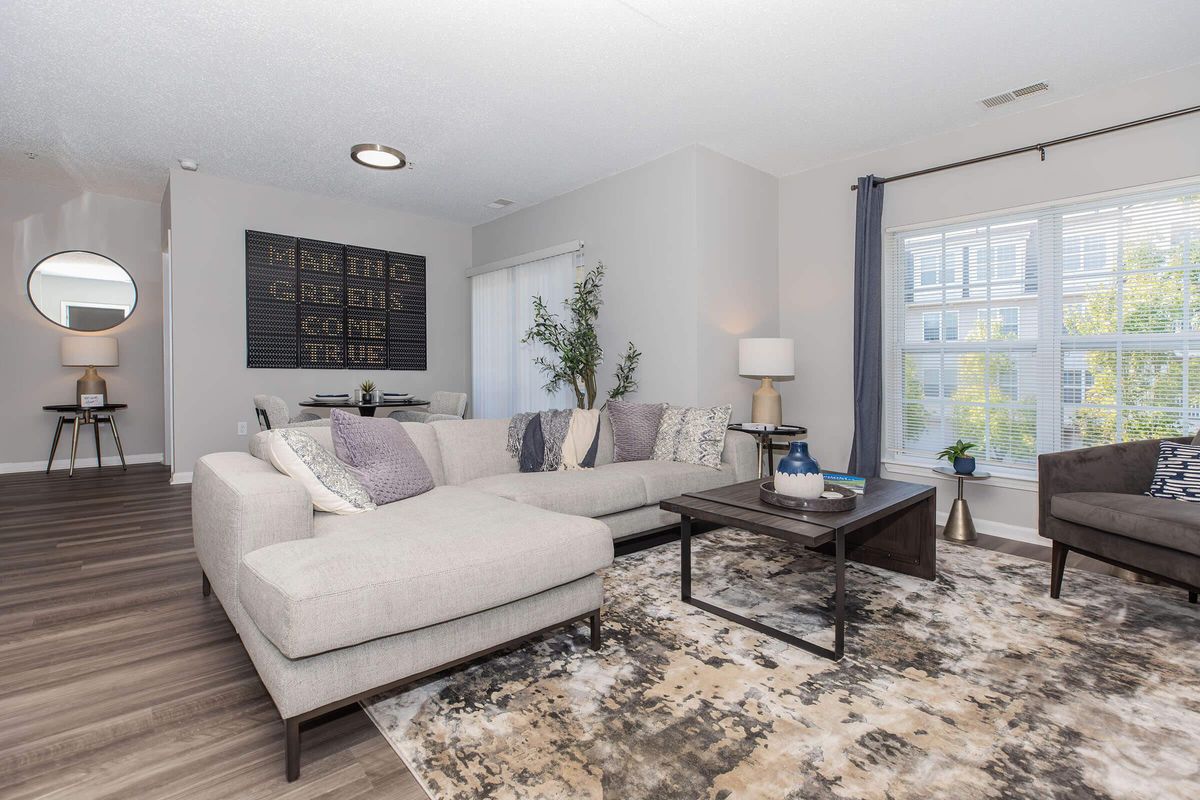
(1069, 326)
(1007, 322)
(950, 326)
(505, 380)
(932, 325)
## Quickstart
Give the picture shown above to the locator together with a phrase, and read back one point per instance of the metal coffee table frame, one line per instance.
(892, 526)
(839, 595)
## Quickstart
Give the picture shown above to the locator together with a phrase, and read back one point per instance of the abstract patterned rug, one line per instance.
(975, 685)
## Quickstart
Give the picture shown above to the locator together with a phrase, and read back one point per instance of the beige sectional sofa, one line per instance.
(333, 609)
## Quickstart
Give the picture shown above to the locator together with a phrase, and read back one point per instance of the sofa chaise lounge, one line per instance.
(334, 609)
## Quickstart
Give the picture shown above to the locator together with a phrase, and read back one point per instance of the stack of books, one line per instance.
(853, 482)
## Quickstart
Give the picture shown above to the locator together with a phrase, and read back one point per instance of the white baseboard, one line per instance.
(80, 463)
(1004, 530)
(180, 477)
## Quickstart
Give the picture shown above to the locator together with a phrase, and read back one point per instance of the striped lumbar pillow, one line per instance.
(1177, 475)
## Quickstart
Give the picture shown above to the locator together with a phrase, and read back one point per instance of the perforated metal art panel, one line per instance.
(323, 305)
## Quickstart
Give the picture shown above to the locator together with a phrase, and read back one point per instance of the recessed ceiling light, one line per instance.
(378, 156)
(500, 202)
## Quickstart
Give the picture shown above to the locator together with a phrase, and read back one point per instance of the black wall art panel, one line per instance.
(321, 305)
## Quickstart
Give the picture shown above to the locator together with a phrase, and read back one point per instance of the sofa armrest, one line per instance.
(741, 452)
(240, 504)
(1125, 468)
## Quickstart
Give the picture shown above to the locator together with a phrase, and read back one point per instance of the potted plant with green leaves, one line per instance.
(367, 387)
(957, 455)
(574, 345)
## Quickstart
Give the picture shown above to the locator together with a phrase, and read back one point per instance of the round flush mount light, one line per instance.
(378, 156)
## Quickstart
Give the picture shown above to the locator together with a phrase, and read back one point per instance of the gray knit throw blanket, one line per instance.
(555, 425)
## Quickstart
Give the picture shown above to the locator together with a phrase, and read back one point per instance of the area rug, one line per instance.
(976, 685)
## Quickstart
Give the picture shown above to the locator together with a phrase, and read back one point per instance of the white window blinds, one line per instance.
(1070, 326)
(504, 378)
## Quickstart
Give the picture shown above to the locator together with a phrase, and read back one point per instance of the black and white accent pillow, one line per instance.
(1177, 475)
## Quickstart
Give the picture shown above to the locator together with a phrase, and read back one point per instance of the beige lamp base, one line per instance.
(766, 408)
(90, 383)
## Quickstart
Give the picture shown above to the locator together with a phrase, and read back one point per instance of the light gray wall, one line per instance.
(690, 244)
(737, 210)
(212, 385)
(35, 221)
(816, 235)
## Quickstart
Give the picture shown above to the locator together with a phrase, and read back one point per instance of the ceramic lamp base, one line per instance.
(90, 383)
(767, 407)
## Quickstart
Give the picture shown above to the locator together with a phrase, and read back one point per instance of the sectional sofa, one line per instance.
(334, 609)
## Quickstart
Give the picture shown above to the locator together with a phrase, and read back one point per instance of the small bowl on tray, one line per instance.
(846, 500)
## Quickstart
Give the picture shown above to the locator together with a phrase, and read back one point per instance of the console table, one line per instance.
(78, 416)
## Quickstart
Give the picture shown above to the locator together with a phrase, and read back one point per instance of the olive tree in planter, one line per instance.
(577, 353)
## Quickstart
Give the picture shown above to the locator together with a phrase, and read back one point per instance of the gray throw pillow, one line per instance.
(635, 429)
(381, 454)
(692, 435)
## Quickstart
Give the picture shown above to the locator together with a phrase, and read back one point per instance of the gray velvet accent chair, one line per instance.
(273, 412)
(442, 405)
(1092, 501)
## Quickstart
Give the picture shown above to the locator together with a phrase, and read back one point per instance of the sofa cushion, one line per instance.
(473, 448)
(692, 435)
(635, 429)
(664, 479)
(588, 493)
(434, 557)
(1167, 523)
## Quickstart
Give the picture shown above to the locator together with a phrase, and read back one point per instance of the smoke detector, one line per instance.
(1014, 94)
(189, 164)
(500, 202)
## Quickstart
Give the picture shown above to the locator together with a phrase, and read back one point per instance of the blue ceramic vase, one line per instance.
(964, 465)
(798, 461)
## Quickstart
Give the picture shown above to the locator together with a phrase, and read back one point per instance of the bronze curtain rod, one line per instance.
(1039, 148)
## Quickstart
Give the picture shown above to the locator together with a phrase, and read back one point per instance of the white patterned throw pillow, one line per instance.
(331, 485)
(692, 435)
(1177, 475)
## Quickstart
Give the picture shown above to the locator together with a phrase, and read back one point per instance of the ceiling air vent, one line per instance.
(1032, 88)
(998, 100)
(500, 202)
(1015, 94)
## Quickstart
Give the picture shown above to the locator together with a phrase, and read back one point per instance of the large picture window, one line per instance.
(1069, 326)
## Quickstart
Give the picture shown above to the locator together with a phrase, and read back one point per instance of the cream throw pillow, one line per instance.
(331, 485)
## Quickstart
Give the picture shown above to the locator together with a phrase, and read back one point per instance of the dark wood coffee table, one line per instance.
(892, 527)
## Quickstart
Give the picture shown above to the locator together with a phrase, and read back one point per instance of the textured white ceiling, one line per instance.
(527, 100)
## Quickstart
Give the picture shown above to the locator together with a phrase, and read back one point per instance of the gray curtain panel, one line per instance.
(868, 329)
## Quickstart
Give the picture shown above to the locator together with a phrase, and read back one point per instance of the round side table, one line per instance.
(766, 450)
(959, 525)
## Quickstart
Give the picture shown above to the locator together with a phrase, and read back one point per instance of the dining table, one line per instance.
(366, 409)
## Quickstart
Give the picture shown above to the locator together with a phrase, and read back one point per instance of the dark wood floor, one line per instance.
(118, 680)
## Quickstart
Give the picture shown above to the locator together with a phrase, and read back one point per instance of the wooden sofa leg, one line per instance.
(205, 586)
(596, 637)
(291, 746)
(1058, 563)
(1192, 597)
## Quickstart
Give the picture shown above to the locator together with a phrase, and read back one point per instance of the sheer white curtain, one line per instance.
(504, 378)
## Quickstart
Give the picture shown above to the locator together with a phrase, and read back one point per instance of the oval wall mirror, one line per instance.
(82, 291)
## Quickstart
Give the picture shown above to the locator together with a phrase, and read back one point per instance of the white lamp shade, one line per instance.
(767, 358)
(89, 351)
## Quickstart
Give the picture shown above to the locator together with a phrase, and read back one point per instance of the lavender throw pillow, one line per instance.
(380, 453)
(635, 429)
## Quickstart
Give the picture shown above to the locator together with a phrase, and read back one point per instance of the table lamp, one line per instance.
(89, 352)
(766, 359)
